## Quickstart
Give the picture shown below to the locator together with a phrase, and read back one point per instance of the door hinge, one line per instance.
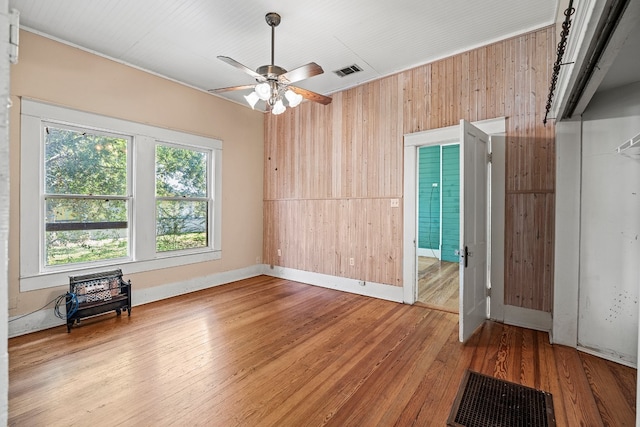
(488, 292)
(490, 157)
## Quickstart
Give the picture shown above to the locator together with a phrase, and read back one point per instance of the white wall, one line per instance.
(610, 227)
(4, 210)
(100, 86)
(567, 232)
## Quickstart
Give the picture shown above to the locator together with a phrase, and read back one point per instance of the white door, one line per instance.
(473, 229)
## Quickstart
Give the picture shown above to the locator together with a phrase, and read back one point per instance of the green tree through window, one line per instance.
(182, 203)
(86, 201)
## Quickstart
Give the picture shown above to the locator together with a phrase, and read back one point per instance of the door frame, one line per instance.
(412, 142)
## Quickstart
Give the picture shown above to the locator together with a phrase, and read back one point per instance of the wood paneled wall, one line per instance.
(332, 172)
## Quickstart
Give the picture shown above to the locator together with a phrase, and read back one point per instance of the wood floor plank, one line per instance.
(406, 368)
(627, 380)
(438, 284)
(339, 388)
(272, 352)
(483, 347)
(441, 384)
(341, 346)
(579, 403)
(548, 379)
(612, 402)
(529, 360)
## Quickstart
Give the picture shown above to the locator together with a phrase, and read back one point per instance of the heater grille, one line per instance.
(348, 70)
(487, 401)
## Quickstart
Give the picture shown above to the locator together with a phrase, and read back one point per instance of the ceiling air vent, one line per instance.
(348, 70)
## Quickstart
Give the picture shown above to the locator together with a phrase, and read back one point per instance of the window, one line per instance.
(86, 195)
(182, 201)
(97, 191)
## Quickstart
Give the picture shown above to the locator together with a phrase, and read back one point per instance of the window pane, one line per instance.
(82, 230)
(84, 163)
(180, 225)
(180, 172)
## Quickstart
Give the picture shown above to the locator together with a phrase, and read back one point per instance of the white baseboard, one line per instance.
(37, 321)
(370, 289)
(527, 318)
(431, 253)
(613, 357)
(45, 319)
(157, 293)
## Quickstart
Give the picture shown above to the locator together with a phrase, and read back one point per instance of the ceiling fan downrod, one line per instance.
(272, 71)
(273, 20)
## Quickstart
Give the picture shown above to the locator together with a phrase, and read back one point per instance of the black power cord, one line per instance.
(60, 300)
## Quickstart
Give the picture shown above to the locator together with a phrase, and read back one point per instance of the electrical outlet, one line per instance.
(352, 261)
(257, 260)
(279, 252)
(395, 203)
(362, 282)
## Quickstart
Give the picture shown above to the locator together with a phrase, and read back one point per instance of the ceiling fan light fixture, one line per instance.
(263, 90)
(294, 98)
(273, 81)
(252, 99)
(278, 107)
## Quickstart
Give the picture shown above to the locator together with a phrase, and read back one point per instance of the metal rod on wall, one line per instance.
(562, 44)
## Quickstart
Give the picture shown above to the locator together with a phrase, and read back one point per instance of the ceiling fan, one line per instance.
(274, 82)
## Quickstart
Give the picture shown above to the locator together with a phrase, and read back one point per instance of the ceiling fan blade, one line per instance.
(227, 89)
(311, 96)
(241, 67)
(304, 72)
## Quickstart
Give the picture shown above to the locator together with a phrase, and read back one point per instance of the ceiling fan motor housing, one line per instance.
(274, 81)
(271, 72)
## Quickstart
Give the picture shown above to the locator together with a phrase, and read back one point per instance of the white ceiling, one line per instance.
(180, 39)
(624, 69)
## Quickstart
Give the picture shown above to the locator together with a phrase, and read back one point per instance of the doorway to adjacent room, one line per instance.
(438, 226)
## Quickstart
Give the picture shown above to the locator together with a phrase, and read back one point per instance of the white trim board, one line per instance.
(451, 134)
(45, 318)
(354, 286)
(526, 318)
(616, 358)
(429, 253)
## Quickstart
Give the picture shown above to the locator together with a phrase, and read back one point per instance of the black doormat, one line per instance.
(484, 401)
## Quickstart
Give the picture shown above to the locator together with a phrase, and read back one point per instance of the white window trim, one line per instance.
(145, 138)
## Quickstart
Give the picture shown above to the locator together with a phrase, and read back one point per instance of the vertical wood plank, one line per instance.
(331, 171)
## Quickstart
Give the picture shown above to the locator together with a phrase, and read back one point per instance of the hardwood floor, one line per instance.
(271, 352)
(438, 284)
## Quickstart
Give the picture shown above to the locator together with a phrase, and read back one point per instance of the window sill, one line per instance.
(54, 279)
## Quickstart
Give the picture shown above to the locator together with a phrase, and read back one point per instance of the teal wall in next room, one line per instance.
(450, 202)
(439, 197)
(429, 197)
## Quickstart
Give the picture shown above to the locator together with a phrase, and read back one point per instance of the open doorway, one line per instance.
(438, 226)
(478, 272)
